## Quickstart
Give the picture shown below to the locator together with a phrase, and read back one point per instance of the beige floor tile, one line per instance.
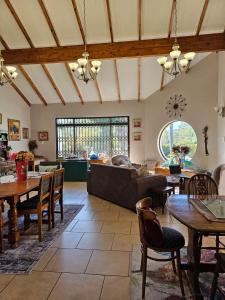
(71, 225)
(84, 215)
(134, 227)
(106, 216)
(35, 286)
(43, 261)
(109, 263)
(116, 288)
(127, 216)
(68, 240)
(4, 280)
(100, 241)
(69, 260)
(87, 226)
(125, 242)
(79, 287)
(116, 227)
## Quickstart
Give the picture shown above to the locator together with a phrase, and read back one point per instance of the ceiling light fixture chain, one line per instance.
(174, 64)
(8, 73)
(82, 68)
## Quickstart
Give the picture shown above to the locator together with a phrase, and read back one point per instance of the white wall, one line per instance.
(43, 118)
(221, 101)
(13, 107)
(199, 87)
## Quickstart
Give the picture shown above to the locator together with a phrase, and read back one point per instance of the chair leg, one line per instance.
(26, 222)
(49, 217)
(180, 272)
(53, 213)
(141, 266)
(217, 243)
(1, 233)
(214, 283)
(173, 263)
(144, 269)
(39, 224)
(61, 207)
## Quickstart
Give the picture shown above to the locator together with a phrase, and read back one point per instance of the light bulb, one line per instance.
(161, 60)
(175, 54)
(80, 70)
(96, 63)
(190, 56)
(14, 75)
(168, 65)
(11, 69)
(183, 63)
(73, 66)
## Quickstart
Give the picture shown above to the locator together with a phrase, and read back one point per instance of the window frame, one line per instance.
(98, 124)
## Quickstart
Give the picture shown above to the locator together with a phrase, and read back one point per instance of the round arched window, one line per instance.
(177, 135)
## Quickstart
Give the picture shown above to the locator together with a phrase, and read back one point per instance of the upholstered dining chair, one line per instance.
(159, 239)
(200, 185)
(57, 194)
(37, 204)
(220, 268)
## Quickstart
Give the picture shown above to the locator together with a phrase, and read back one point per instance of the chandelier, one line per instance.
(175, 64)
(82, 68)
(8, 73)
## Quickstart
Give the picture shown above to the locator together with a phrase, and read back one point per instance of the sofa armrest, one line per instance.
(146, 183)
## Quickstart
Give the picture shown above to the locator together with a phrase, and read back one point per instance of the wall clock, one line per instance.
(176, 106)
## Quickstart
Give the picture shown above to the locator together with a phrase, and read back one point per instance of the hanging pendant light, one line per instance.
(8, 73)
(84, 69)
(174, 64)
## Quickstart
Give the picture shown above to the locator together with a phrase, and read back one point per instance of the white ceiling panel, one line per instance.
(67, 29)
(151, 74)
(88, 91)
(63, 82)
(33, 19)
(41, 81)
(155, 18)
(10, 30)
(214, 20)
(128, 78)
(1, 47)
(96, 19)
(187, 17)
(124, 19)
(107, 81)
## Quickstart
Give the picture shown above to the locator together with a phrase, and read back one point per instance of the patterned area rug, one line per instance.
(162, 284)
(29, 251)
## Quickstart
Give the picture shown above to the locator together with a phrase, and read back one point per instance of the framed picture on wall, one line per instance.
(14, 130)
(0, 119)
(43, 136)
(137, 136)
(25, 133)
(137, 123)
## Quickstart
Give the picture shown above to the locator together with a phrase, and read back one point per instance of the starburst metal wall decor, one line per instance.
(176, 106)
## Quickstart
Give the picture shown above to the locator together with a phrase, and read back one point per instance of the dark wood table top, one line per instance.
(18, 188)
(181, 209)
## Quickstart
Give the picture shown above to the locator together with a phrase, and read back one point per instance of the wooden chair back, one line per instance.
(149, 225)
(58, 180)
(45, 186)
(201, 185)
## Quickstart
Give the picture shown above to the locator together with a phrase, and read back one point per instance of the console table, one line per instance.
(75, 170)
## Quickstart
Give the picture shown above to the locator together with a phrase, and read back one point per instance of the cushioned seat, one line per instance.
(172, 238)
(30, 204)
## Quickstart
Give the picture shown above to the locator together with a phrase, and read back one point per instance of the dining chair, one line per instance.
(57, 194)
(220, 268)
(1, 225)
(201, 185)
(159, 239)
(37, 204)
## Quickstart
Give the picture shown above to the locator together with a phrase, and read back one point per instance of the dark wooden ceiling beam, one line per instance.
(98, 90)
(204, 9)
(33, 86)
(139, 19)
(110, 20)
(117, 81)
(20, 93)
(4, 44)
(78, 19)
(202, 43)
(74, 83)
(53, 84)
(171, 18)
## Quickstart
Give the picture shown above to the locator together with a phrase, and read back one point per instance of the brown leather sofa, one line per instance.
(122, 185)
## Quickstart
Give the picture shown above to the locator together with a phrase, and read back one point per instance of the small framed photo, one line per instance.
(137, 136)
(14, 130)
(0, 119)
(137, 123)
(25, 133)
(43, 136)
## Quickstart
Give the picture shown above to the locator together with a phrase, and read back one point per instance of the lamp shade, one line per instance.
(96, 63)
(14, 75)
(73, 66)
(82, 62)
(161, 60)
(175, 54)
(11, 69)
(168, 65)
(190, 55)
(183, 63)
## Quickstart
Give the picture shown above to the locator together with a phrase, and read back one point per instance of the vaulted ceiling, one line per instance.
(31, 24)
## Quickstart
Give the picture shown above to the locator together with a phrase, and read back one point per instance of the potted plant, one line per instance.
(32, 145)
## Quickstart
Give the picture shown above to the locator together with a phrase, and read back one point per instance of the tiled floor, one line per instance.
(90, 260)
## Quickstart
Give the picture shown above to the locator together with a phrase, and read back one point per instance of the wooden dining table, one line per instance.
(11, 192)
(182, 210)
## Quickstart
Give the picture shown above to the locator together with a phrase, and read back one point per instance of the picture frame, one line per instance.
(13, 130)
(25, 133)
(137, 123)
(43, 136)
(137, 136)
(0, 119)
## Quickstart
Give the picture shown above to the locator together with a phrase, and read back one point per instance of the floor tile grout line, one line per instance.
(8, 283)
(88, 261)
(102, 288)
(54, 286)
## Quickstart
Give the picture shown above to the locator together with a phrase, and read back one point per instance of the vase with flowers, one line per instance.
(22, 159)
(6, 150)
(179, 153)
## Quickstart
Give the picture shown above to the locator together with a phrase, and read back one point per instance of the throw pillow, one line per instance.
(47, 168)
(142, 171)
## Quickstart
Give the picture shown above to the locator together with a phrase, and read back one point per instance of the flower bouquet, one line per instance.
(22, 159)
